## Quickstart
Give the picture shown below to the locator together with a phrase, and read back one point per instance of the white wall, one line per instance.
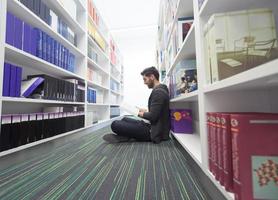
(134, 28)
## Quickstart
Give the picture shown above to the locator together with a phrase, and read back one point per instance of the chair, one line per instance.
(262, 48)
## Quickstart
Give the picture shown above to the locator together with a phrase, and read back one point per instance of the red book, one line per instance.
(255, 156)
(227, 152)
(213, 144)
(209, 142)
(219, 143)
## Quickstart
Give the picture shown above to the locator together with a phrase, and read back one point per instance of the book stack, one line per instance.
(91, 95)
(12, 80)
(243, 154)
(57, 89)
(51, 18)
(36, 42)
(95, 35)
(93, 12)
(92, 53)
(20, 129)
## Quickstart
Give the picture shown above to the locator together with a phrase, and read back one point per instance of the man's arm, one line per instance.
(155, 107)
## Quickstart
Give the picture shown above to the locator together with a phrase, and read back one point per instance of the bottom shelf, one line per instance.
(192, 144)
(26, 146)
(228, 195)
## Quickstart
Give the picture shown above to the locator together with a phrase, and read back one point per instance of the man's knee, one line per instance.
(115, 125)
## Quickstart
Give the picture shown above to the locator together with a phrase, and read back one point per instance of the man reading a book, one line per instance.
(158, 116)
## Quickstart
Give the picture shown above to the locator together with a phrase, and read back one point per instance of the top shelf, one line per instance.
(28, 16)
(61, 11)
(210, 7)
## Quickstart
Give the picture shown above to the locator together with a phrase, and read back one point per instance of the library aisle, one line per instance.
(86, 167)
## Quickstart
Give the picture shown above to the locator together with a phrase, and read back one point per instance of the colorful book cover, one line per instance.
(181, 121)
(255, 156)
(219, 144)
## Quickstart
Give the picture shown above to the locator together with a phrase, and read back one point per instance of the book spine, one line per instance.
(44, 46)
(13, 81)
(227, 152)
(10, 29)
(235, 153)
(18, 81)
(18, 33)
(213, 144)
(56, 54)
(219, 148)
(209, 142)
(6, 79)
(27, 38)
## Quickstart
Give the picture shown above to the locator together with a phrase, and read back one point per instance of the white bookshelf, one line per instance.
(254, 90)
(28, 16)
(34, 65)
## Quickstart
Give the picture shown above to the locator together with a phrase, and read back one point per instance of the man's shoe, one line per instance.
(113, 138)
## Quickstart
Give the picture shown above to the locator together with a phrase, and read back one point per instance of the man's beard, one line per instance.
(151, 85)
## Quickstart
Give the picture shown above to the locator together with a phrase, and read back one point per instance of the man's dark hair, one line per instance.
(150, 71)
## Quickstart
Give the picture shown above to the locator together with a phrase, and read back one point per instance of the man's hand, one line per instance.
(141, 113)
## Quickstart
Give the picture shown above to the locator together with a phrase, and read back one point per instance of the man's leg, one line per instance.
(127, 129)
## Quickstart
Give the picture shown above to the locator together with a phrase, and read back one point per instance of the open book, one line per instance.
(133, 110)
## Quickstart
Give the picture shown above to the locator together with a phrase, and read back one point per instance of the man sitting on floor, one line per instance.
(158, 115)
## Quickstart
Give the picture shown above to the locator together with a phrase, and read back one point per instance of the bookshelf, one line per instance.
(254, 90)
(77, 22)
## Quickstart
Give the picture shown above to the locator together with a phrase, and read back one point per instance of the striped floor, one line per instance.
(88, 168)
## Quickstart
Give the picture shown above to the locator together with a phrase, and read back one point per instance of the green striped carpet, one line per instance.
(89, 168)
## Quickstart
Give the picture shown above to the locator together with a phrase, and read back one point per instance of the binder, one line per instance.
(33, 127)
(39, 124)
(15, 133)
(10, 29)
(44, 45)
(6, 122)
(6, 79)
(37, 43)
(13, 81)
(29, 86)
(18, 32)
(24, 129)
(27, 38)
(18, 81)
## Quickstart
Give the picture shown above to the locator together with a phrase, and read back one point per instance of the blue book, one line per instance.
(44, 45)
(10, 29)
(72, 62)
(59, 55)
(27, 38)
(48, 53)
(67, 60)
(29, 86)
(18, 32)
(56, 53)
(13, 81)
(18, 81)
(6, 79)
(36, 42)
(52, 50)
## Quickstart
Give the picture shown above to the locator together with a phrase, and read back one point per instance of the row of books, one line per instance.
(243, 153)
(20, 129)
(92, 11)
(51, 18)
(92, 53)
(95, 35)
(56, 89)
(36, 42)
(114, 85)
(12, 80)
(91, 95)
(94, 76)
(183, 78)
(228, 53)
